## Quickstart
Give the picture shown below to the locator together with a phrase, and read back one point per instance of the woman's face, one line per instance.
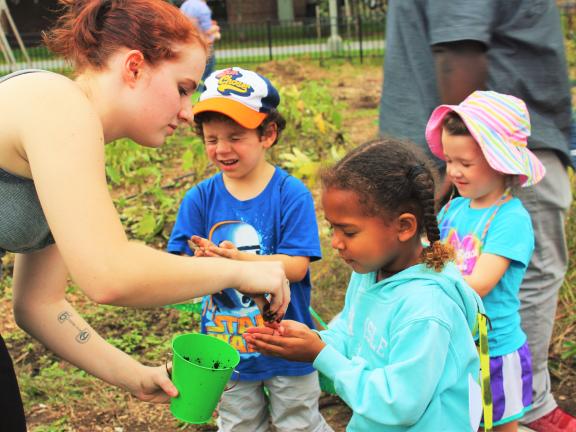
(163, 99)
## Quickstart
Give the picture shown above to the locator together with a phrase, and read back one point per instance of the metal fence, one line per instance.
(316, 39)
(353, 39)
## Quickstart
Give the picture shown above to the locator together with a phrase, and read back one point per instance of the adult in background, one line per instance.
(438, 52)
(201, 15)
(137, 63)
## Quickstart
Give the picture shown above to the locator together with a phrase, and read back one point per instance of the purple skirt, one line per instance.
(511, 384)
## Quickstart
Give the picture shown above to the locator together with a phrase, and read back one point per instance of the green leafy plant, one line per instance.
(314, 131)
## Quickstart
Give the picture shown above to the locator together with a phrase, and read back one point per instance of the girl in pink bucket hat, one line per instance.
(483, 141)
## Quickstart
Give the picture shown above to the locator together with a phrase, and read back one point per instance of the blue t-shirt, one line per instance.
(510, 235)
(281, 220)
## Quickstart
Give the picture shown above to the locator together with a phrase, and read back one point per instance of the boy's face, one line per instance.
(469, 170)
(235, 150)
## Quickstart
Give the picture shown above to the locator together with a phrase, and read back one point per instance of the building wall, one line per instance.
(260, 10)
(33, 16)
(251, 10)
(300, 8)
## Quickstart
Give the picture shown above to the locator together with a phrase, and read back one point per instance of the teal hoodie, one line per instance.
(401, 354)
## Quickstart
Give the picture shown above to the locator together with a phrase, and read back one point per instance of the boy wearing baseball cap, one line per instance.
(483, 141)
(252, 210)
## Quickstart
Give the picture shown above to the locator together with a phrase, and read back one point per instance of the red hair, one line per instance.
(89, 31)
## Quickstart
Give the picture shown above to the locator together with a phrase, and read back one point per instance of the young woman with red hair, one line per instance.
(136, 63)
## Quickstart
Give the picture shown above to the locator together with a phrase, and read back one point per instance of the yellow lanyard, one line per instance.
(482, 328)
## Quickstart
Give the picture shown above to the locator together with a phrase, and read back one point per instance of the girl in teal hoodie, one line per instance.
(401, 353)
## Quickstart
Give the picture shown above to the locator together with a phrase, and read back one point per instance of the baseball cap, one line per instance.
(245, 96)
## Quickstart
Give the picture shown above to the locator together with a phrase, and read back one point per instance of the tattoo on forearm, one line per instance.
(83, 334)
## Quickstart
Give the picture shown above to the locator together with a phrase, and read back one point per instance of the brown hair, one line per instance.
(273, 117)
(392, 177)
(454, 125)
(89, 31)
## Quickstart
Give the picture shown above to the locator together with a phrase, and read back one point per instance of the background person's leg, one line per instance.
(210, 65)
(547, 202)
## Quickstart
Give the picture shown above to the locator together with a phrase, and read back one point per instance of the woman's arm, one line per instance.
(294, 266)
(41, 310)
(487, 272)
(64, 146)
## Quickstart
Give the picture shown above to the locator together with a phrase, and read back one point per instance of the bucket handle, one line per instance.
(168, 365)
(235, 382)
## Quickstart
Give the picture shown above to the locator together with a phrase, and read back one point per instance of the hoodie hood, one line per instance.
(449, 280)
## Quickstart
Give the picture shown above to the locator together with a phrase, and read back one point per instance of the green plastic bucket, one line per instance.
(201, 367)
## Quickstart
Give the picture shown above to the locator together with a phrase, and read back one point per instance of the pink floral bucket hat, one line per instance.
(500, 124)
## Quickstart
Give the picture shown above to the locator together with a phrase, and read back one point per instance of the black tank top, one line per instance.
(23, 226)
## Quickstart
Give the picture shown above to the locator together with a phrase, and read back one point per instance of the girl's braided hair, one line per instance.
(392, 177)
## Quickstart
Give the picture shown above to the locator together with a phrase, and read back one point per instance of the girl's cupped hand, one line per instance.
(289, 339)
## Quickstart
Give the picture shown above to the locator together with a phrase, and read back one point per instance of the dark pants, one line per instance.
(11, 410)
(210, 66)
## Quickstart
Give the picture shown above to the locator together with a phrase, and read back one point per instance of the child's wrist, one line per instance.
(318, 346)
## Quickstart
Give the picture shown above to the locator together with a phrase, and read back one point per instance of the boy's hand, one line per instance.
(205, 248)
(226, 249)
(200, 246)
(291, 340)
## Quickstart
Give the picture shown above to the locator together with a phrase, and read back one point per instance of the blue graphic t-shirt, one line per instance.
(509, 235)
(281, 220)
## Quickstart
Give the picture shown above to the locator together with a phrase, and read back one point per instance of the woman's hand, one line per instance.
(154, 385)
(257, 279)
(291, 340)
(266, 277)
